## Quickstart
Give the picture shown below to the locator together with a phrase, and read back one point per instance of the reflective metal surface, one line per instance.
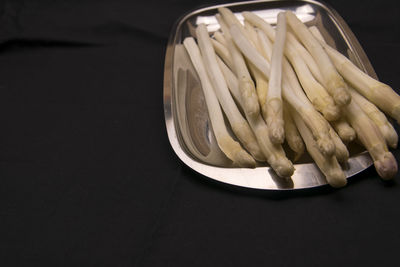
(186, 114)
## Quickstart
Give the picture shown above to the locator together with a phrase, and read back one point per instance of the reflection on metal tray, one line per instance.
(186, 115)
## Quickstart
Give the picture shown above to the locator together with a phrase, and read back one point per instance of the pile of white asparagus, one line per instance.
(287, 83)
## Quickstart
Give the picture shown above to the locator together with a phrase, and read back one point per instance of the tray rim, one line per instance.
(216, 173)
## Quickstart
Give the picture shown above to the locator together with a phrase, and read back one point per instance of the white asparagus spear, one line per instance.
(298, 100)
(231, 148)
(344, 130)
(260, 80)
(308, 59)
(274, 96)
(260, 23)
(333, 82)
(317, 94)
(341, 152)
(246, 84)
(292, 135)
(328, 165)
(223, 53)
(387, 130)
(382, 95)
(228, 77)
(220, 38)
(370, 136)
(274, 154)
(239, 125)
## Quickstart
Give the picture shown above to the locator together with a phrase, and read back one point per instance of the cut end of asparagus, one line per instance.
(326, 146)
(342, 155)
(331, 112)
(336, 178)
(386, 166)
(283, 167)
(342, 96)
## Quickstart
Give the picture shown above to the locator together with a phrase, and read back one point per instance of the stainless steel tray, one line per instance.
(186, 114)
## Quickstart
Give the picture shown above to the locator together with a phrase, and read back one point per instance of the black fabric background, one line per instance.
(87, 175)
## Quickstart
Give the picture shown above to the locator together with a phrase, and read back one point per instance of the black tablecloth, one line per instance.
(87, 175)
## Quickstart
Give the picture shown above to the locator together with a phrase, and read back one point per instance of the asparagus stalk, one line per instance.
(333, 82)
(231, 20)
(223, 52)
(239, 125)
(220, 38)
(297, 100)
(382, 95)
(344, 130)
(265, 27)
(386, 129)
(246, 84)
(328, 165)
(292, 135)
(308, 59)
(341, 152)
(261, 87)
(260, 79)
(274, 96)
(265, 45)
(231, 148)
(229, 76)
(370, 136)
(317, 94)
(273, 153)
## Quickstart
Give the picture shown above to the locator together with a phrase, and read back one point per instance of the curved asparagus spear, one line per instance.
(239, 125)
(231, 148)
(274, 95)
(382, 95)
(328, 165)
(333, 82)
(370, 136)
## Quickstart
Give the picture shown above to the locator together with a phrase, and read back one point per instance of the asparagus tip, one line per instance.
(276, 132)
(336, 178)
(386, 166)
(396, 113)
(347, 135)
(326, 146)
(331, 112)
(390, 135)
(283, 167)
(342, 97)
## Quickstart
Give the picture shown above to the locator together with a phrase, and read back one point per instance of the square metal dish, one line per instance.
(188, 126)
